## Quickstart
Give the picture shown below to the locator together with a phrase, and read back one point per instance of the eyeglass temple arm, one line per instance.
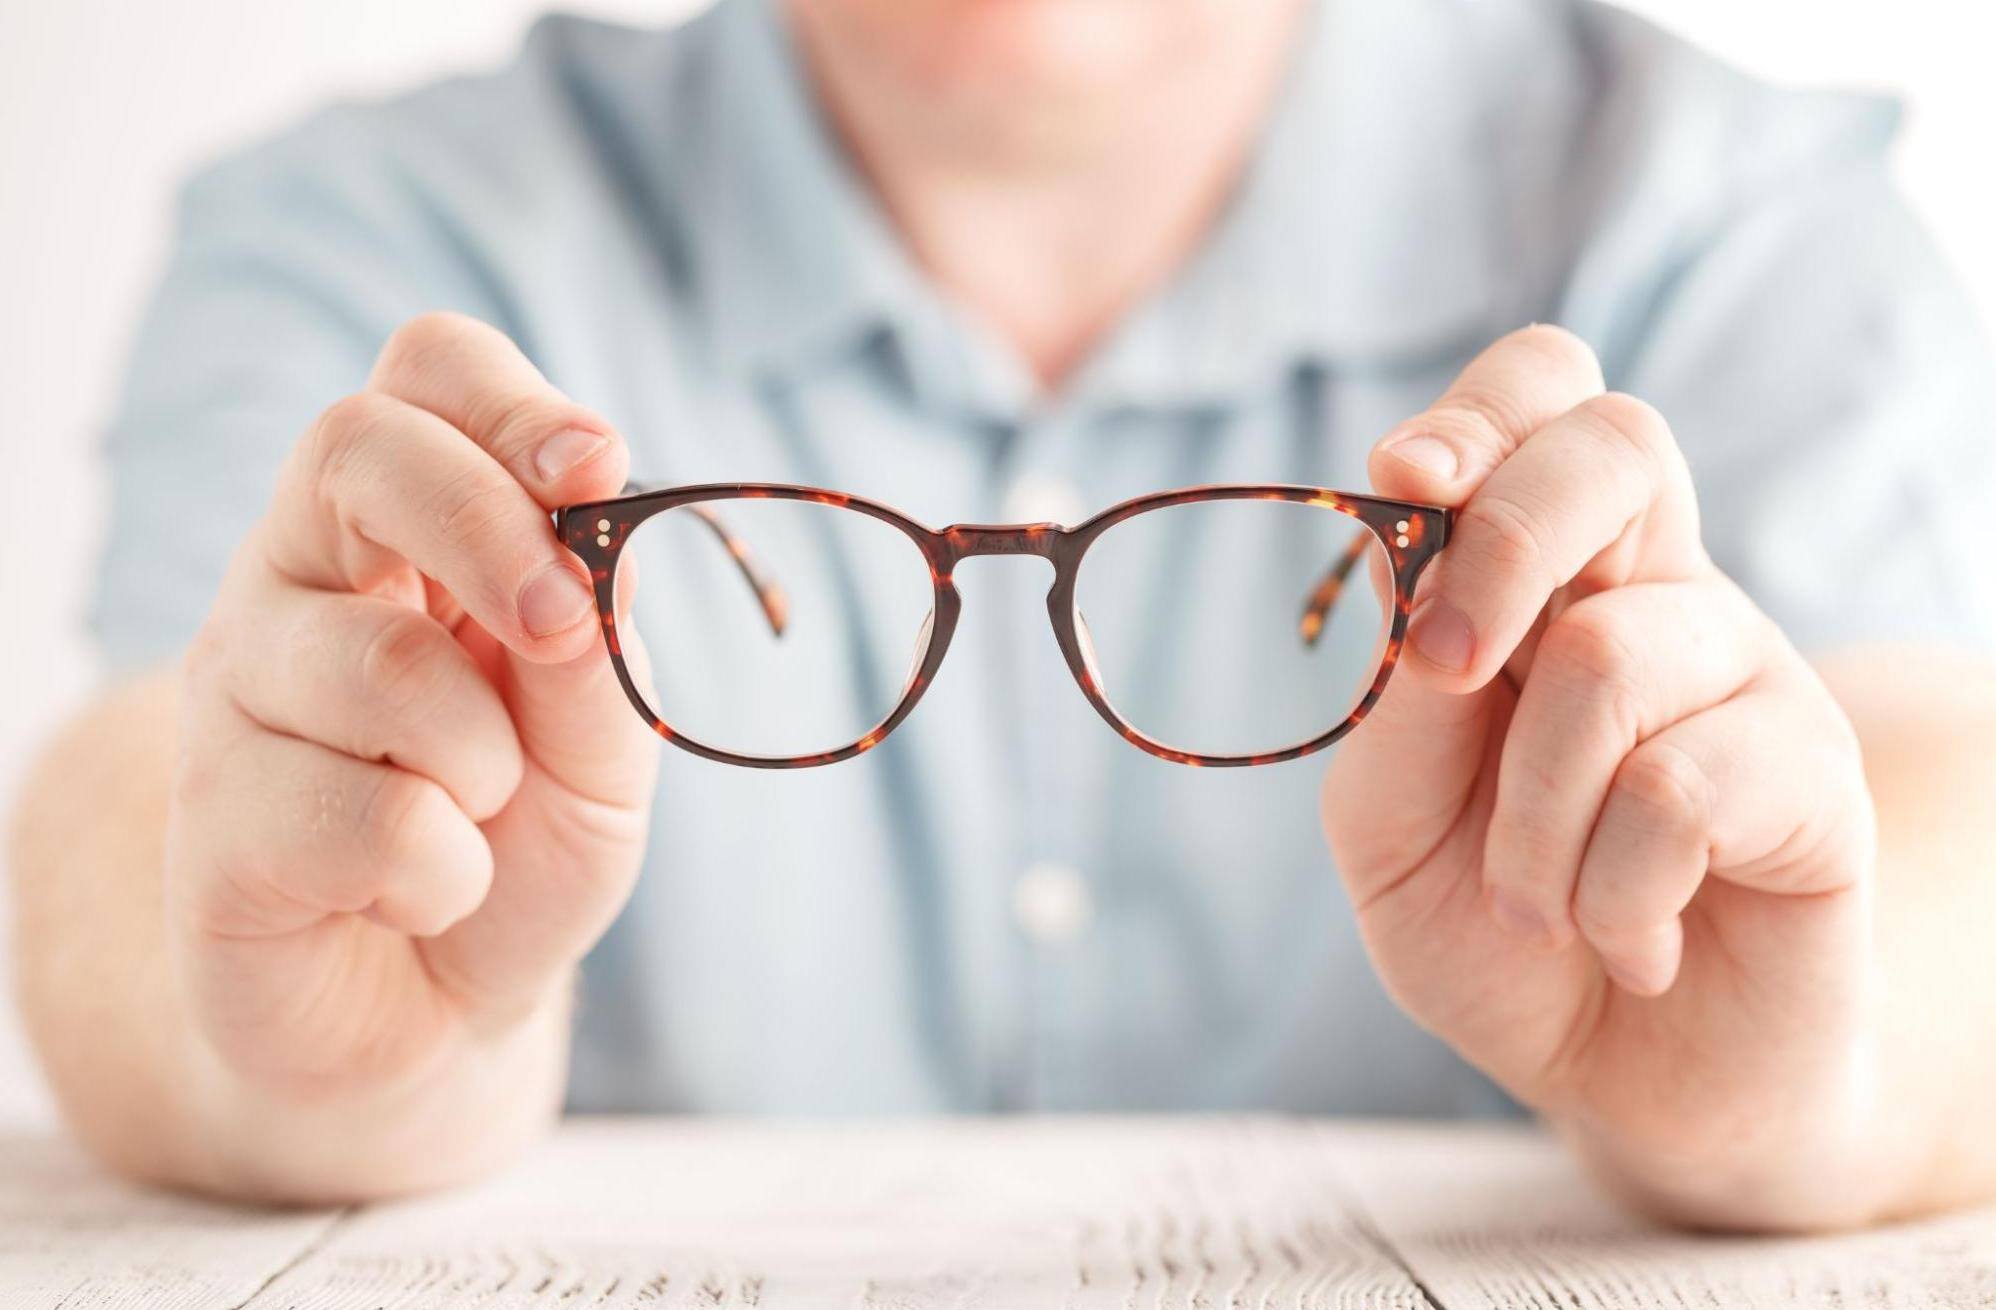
(768, 592)
(1317, 605)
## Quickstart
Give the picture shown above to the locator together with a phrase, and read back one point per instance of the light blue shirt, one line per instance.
(662, 222)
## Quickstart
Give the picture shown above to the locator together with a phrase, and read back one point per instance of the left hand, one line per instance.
(1607, 833)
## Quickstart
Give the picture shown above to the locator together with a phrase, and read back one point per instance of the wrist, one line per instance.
(1829, 1157)
(473, 1104)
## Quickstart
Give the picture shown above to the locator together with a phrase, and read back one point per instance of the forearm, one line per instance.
(1926, 721)
(124, 1053)
(1895, 1121)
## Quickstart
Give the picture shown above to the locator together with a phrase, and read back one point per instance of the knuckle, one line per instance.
(196, 778)
(1562, 350)
(1505, 534)
(342, 431)
(1632, 422)
(1666, 787)
(346, 419)
(1588, 650)
(425, 342)
(1846, 838)
(1607, 920)
(208, 657)
(402, 671)
(432, 918)
(394, 819)
(471, 506)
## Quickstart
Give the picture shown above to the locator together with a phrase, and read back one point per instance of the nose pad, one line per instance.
(921, 650)
(1088, 652)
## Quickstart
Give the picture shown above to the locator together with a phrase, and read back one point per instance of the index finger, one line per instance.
(472, 376)
(1604, 481)
(1516, 386)
(380, 487)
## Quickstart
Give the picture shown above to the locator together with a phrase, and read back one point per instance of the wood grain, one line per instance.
(70, 1236)
(956, 1213)
(1499, 1218)
(1191, 1214)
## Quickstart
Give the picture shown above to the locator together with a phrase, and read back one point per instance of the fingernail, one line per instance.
(1441, 635)
(565, 450)
(554, 602)
(1635, 979)
(1431, 455)
(1517, 918)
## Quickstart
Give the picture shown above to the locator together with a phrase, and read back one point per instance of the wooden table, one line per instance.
(1124, 1213)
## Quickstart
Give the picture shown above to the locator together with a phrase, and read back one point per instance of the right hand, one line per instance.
(410, 793)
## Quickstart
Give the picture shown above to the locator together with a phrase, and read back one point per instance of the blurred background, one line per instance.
(104, 104)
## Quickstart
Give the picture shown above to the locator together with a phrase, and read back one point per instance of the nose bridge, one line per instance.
(968, 540)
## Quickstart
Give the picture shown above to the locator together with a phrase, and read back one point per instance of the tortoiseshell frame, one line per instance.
(1410, 534)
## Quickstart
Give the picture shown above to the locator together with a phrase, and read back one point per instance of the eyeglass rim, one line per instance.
(581, 528)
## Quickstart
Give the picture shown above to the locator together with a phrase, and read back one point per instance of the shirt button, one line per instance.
(1051, 903)
(1042, 498)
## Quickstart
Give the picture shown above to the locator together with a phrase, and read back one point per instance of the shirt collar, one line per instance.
(1368, 227)
(795, 256)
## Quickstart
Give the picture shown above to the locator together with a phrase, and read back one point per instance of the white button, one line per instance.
(1051, 903)
(1040, 498)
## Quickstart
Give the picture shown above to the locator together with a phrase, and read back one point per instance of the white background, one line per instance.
(104, 103)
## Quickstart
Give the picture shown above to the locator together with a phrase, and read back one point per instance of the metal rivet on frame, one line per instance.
(603, 525)
(603, 539)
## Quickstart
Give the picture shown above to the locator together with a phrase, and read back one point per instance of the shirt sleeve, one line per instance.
(1827, 378)
(291, 264)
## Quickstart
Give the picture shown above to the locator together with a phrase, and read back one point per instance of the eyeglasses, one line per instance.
(789, 626)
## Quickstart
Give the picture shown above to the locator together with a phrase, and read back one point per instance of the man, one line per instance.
(302, 911)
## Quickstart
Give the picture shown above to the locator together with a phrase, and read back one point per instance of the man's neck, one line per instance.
(1050, 209)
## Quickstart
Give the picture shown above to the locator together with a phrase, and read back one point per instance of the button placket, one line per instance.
(1051, 903)
(1037, 497)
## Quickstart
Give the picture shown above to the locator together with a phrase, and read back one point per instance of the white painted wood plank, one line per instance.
(1501, 1217)
(1076, 1213)
(1061, 1213)
(72, 1236)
